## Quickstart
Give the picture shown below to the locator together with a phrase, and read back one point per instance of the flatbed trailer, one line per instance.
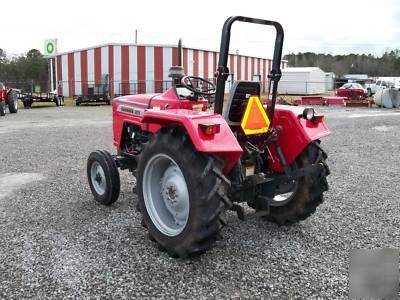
(92, 97)
(29, 98)
(94, 92)
(320, 100)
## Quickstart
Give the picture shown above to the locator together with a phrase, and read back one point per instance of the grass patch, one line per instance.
(67, 102)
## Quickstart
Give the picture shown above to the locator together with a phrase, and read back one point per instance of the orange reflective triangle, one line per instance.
(255, 120)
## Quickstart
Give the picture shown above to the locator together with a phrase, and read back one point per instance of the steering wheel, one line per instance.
(204, 87)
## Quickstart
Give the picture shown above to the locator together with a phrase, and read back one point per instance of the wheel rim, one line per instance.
(286, 192)
(285, 197)
(166, 195)
(98, 178)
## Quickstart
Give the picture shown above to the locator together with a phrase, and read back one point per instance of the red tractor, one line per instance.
(192, 165)
(8, 97)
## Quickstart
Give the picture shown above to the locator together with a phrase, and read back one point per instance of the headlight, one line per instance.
(308, 114)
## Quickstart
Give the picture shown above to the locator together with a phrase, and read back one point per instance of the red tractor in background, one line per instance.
(8, 97)
(192, 165)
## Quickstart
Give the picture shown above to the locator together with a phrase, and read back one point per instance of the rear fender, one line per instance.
(223, 144)
(296, 134)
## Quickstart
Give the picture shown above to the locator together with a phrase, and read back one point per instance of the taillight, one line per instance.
(197, 107)
(210, 128)
(319, 119)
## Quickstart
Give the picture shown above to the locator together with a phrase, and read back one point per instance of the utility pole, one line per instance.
(136, 36)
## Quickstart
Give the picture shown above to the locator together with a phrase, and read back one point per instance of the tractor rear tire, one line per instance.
(308, 194)
(103, 177)
(2, 108)
(13, 102)
(182, 194)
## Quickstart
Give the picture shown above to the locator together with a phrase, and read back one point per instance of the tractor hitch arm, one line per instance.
(261, 179)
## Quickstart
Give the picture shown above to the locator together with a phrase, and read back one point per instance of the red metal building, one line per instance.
(131, 69)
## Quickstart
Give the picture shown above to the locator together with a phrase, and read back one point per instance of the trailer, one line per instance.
(40, 97)
(319, 100)
(92, 92)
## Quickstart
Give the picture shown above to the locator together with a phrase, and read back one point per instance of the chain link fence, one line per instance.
(73, 88)
(28, 86)
(119, 88)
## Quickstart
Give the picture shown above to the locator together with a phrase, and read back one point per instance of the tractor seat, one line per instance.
(239, 95)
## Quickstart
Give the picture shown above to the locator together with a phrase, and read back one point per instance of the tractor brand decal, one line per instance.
(255, 120)
(131, 110)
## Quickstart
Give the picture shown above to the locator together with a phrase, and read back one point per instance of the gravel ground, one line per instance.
(57, 242)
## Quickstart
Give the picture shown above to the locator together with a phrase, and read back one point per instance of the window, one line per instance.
(346, 86)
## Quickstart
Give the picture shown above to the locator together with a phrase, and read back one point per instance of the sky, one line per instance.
(335, 27)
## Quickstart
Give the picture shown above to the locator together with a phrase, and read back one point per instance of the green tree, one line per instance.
(24, 70)
(386, 65)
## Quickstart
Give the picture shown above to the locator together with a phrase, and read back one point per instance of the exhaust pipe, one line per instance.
(177, 72)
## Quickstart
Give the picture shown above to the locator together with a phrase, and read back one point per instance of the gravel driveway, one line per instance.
(57, 242)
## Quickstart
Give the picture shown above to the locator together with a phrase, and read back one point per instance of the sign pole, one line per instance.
(51, 75)
(50, 51)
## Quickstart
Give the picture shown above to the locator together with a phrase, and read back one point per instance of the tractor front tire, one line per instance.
(13, 102)
(308, 193)
(2, 108)
(182, 194)
(103, 177)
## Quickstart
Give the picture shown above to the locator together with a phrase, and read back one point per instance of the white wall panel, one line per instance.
(167, 62)
(201, 64)
(132, 63)
(149, 69)
(190, 62)
(104, 61)
(90, 64)
(211, 70)
(64, 74)
(117, 69)
(77, 73)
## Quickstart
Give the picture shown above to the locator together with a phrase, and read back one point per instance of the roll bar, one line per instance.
(222, 71)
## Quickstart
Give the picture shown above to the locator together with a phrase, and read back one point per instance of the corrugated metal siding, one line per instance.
(302, 82)
(128, 65)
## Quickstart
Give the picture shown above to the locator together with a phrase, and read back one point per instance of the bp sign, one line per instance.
(50, 47)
